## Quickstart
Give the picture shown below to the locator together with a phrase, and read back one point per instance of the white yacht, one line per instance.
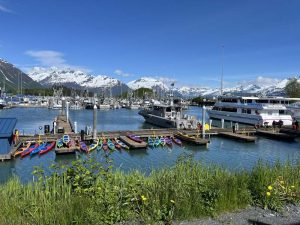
(168, 116)
(294, 110)
(252, 110)
(2, 103)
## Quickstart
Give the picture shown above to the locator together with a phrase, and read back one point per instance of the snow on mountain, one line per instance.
(54, 75)
(147, 82)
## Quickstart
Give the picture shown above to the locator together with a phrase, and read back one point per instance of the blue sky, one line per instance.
(179, 40)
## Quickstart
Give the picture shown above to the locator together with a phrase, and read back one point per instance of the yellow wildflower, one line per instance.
(268, 193)
(144, 198)
(172, 201)
(270, 187)
(281, 182)
(292, 186)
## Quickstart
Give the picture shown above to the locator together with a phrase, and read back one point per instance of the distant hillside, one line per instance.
(13, 78)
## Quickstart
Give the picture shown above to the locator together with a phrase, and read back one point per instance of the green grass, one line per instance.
(89, 193)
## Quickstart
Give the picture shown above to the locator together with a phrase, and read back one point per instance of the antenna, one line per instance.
(222, 70)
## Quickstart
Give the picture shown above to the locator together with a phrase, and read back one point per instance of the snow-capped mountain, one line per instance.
(148, 82)
(75, 79)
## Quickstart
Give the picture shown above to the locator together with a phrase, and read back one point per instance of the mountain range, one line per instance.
(74, 78)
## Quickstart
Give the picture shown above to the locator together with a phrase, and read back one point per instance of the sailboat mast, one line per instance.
(222, 72)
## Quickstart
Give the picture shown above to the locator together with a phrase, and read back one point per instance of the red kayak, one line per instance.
(29, 150)
(47, 148)
(83, 146)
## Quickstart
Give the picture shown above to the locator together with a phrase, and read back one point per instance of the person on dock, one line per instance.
(297, 125)
(16, 136)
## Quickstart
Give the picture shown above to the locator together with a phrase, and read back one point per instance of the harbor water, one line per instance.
(230, 154)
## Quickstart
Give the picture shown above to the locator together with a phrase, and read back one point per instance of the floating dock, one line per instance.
(133, 144)
(71, 150)
(276, 135)
(236, 136)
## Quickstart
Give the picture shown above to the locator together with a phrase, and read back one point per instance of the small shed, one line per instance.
(7, 126)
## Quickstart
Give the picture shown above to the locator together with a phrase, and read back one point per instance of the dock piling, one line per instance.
(203, 121)
(95, 123)
(222, 123)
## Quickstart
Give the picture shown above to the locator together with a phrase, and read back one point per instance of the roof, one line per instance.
(7, 126)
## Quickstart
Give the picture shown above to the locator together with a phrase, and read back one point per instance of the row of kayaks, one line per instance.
(31, 149)
(163, 141)
(103, 144)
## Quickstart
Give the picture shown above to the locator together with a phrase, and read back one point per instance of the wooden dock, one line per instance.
(63, 123)
(133, 144)
(276, 135)
(236, 136)
(71, 150)
(193, 139)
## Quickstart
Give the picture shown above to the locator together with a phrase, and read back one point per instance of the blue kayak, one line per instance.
(38, 149)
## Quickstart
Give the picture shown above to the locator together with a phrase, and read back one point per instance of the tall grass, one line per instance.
(89, 193)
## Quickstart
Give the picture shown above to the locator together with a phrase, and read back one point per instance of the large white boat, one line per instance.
(252, 110)
(168, 116)
(2, 103)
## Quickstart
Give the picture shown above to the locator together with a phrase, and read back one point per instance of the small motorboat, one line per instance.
(177, 141)
(134, 138)
(116, 144)
(38, 149)
(150, 142)
(111, 145)
(93, 146)
(66, 139)
(168, 141)
(47, 148)
(83, 147)
(21, 150)
(29, 150)
(122, 144)
(157, 142)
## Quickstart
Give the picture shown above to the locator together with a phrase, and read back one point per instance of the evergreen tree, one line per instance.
(292, 89)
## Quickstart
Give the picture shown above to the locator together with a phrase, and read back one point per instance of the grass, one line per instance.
(90, 193)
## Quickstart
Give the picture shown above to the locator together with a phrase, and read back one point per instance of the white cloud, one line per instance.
(122, 73)
(4, 9)
(49, 58)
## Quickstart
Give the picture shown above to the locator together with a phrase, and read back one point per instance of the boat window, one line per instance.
(274, 101)
(168, 109)
(262, 101)
(281, 112)
(249, 100)
(229, 109)
(229, 100)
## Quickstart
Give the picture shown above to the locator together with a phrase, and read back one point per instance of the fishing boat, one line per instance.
(47, 148)
(168, 141)
(134, 138)
(24, 148)
(177, 141)
(29, 150)
(122, 144)
(191, 139)
(116, 144)
(66, 139)
(38, 149)
(157, 142)
(150, 142)
(93, 146)
(83, 146)
(111, 145)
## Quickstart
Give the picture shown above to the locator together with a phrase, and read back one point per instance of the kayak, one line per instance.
(66, 139)
(117, 145)
(122, 144)
(157, 142)
(83, 146)
(100, 144)
(162, 141)
(177, 141)
(168, 141)
(93, 146)
(48, 148)
(104, 144)
(19, 152)
(59, 143)
(111, 145)
(134, 138)
(150, 142)
(38, 149)
(29, 150)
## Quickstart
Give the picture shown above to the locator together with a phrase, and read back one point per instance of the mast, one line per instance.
(222, 72)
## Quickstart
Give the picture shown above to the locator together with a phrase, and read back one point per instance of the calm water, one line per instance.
(230, 154)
